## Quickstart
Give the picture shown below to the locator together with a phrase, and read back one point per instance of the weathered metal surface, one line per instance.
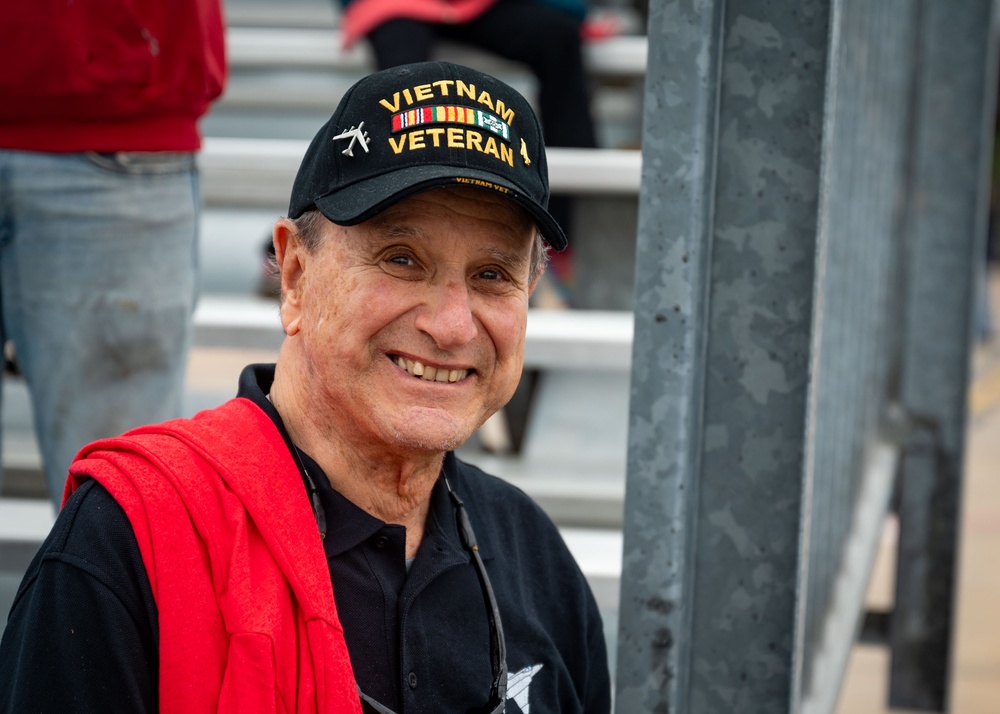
(724, 285)
(673, 262)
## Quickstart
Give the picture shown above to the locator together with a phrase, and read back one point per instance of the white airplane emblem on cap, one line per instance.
(354, 134)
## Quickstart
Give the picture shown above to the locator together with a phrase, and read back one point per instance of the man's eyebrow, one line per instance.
(380, 229)
(390, 228)
(513, 259)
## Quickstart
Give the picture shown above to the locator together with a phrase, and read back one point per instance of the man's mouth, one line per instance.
(430, 374)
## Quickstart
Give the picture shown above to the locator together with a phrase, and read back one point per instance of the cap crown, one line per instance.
(414, 127)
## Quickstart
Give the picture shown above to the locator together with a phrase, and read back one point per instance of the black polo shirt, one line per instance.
(82, 633)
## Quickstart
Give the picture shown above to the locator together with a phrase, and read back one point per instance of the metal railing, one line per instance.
(812, 212)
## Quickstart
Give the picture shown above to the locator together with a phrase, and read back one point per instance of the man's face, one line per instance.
(412, 324)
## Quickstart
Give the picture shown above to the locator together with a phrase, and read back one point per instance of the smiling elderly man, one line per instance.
(314, 545)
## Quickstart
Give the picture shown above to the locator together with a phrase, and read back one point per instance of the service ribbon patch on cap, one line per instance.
(450, 114)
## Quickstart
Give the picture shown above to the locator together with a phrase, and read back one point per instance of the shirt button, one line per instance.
(381, 542)
(411, 678)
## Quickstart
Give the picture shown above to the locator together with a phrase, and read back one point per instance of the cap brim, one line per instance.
(360, 201)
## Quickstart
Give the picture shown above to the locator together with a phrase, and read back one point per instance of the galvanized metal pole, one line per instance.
(672, 272)
(715, 511)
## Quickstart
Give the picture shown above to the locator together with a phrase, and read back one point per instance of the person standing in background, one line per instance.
(99, 205)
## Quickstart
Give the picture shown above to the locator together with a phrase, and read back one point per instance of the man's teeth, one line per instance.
(431, 374)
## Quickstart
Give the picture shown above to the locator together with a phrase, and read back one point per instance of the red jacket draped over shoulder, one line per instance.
(247, 620)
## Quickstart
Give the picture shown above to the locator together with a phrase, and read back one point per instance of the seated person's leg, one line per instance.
(548, 41)
(401, 41)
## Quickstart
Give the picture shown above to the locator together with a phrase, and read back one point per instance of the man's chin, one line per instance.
(431, 431)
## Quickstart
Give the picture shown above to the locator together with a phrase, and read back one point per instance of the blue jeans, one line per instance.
(97, 288)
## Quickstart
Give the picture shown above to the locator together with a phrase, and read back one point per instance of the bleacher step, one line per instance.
(598, 550)
(554, 339)
(322, 48)
(255, 172)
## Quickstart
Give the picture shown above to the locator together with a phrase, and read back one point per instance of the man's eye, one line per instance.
(490, 275)
(401, 260)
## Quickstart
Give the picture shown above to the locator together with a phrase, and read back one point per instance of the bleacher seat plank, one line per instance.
(255, 172)
(322, 49)
(555, 339)
(237, 322)
(579, 339)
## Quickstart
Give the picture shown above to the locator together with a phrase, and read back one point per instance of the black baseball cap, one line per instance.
(418, 126)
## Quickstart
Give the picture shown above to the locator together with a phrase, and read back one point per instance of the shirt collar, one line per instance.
(347, 524)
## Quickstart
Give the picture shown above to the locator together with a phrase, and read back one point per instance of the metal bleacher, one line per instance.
(286, 60)
(287, 71)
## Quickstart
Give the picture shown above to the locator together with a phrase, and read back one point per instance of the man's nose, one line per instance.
(447, 317)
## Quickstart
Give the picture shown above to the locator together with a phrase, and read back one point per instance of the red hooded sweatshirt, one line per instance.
(247, 619)
(108, 75)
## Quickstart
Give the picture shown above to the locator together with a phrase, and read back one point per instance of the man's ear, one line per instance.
(290, 255)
